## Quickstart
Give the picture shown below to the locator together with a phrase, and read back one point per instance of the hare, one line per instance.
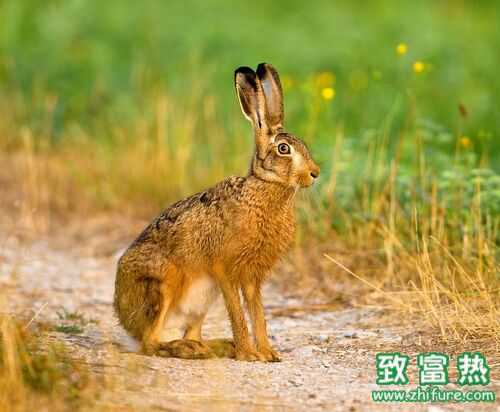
(224, 239)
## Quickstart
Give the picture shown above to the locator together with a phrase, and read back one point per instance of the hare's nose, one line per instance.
(315, 172)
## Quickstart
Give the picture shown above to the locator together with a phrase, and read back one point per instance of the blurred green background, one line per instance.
(99, 56)
(387, 71)
(122, 107)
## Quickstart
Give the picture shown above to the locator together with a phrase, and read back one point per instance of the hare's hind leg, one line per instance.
(152, 334)
(185, 349)
(221, 348)
(190, 347)
(193, 331)
(194, 349)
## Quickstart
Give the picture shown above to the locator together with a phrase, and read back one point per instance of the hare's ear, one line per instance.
(252, 105)
(245, 82)
(273, 95)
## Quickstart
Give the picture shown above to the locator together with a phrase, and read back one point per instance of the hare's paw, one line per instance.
(185, 349)
(149, 349)
(249, 355)
(223, 348)
(269, 354)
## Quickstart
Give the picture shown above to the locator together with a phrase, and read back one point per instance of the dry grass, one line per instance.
(35, 373)
(167, 154)
(425, 259)
(418, 255)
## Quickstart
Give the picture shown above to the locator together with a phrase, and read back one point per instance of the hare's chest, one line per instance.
(277, 234)
(266, 238)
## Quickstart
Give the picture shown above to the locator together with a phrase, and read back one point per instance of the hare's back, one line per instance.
(197, 219)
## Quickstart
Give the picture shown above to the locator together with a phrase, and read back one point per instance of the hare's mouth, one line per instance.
(306, 181)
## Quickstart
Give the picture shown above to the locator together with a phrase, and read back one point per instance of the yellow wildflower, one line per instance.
(465, 142)
(418, 66)
(328, 93)
(401, 48)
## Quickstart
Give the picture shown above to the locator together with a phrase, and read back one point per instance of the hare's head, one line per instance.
(279, 156)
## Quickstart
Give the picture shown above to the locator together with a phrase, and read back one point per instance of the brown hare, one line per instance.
(224, 239)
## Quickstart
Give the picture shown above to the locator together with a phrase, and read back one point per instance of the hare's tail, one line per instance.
(137, 301)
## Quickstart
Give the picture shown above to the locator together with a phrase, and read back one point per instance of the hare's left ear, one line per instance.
(252, 104)
(273, 95)
(245, 82)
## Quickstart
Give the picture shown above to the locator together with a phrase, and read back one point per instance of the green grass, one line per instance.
(72, 323)
(96, 63)
(69, 329)
(111, 73)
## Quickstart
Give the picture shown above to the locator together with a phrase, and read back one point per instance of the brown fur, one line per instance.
(233, 233)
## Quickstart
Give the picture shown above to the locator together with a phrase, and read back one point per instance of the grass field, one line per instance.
(127, 106)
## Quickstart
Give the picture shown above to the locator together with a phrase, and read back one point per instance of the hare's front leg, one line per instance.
(253, 298)
(244, 349)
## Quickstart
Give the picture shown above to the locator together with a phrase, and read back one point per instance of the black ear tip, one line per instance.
(266, 68)
(244, 70)
(261, 69)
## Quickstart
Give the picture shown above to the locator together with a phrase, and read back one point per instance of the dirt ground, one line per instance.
(328, 354)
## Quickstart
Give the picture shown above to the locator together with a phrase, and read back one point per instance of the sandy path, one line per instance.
(328, 360)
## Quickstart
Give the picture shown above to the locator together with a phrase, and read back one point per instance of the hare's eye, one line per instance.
(283, 148)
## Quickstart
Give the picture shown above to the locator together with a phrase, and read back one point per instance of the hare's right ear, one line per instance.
(269, 79)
